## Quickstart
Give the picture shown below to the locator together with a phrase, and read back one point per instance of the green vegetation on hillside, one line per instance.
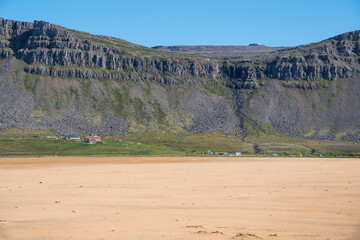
(25, 142)
(61, 147)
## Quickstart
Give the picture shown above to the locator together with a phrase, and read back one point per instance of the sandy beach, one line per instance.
(105, 198)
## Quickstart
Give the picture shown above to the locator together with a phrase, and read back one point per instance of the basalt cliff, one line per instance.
(73, 82)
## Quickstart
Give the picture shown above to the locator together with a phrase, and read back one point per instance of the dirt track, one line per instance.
(179, 198)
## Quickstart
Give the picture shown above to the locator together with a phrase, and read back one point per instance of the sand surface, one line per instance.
(179, 198)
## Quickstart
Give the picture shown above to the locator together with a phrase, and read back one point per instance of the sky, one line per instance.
(196, 22)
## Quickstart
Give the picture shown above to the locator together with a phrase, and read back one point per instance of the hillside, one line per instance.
(73, 82)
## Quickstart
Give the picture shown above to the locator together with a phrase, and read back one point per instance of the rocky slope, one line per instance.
(74, 82)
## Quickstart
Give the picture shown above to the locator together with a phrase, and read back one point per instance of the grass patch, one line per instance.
(219, 90)
(13, 132)
(330, 99)
(139, 107)
(193, 143)
(122, 100)
(49, 147)
(159, 114)
(31, 82)
(73, 91)
(313, 106)
(285, 145)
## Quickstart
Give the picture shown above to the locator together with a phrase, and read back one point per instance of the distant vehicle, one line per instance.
(275, 155)
(318, 155)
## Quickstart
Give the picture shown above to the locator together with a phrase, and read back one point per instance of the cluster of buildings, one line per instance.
(69, 137)
(230, 154)
(87, 139)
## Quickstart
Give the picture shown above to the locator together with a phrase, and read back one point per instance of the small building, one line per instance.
(70, 137)
(117, 140)
(58, 137)
(92, 139)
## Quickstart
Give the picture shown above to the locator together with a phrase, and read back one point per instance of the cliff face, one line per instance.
(42, 43)
(74, 82)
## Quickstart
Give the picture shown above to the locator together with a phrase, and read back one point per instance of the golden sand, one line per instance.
(179, 198)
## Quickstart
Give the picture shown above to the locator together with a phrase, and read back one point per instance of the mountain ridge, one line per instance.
(51, 44)
(75, 82)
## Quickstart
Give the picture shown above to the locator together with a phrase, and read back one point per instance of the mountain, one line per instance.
(222, 51)
(74, 82)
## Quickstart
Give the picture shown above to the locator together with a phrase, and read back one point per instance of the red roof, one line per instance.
(91, 137)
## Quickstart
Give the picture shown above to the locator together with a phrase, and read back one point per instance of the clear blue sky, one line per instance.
(195, 22)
